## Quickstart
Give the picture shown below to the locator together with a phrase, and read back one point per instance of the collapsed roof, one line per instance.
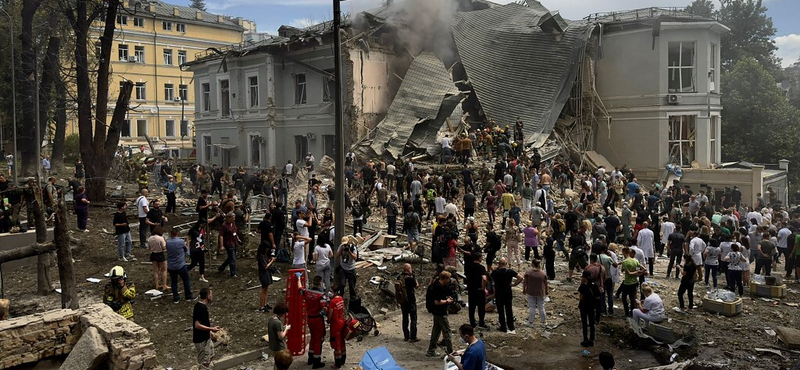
(426, 99)
(522, 62)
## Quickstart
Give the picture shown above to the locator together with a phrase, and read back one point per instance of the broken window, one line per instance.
(252, 82)
(299, 89)
(712, 71)
(682, 135)
(681, 57)
(224, 98)
(328, 87)
(712, 142)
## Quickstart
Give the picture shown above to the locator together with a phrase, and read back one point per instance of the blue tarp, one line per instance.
(379, 359)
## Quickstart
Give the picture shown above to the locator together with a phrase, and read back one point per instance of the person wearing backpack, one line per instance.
(589, 294)
(411, 225)
(437, 298)
(405, 293)
(358, 219)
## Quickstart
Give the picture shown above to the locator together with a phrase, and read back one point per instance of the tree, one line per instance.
(198, 4)
(98, 138)
(760, 123)
(751, 34)
(702, 8)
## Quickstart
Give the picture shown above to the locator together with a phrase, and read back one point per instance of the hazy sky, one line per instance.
(271, 14)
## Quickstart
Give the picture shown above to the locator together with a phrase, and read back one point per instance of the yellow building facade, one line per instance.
(152, 40)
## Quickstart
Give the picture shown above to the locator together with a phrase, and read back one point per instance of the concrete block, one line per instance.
(789, 336)
(88, 354)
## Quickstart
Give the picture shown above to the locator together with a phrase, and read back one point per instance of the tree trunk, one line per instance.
(25, 252)
(66, 274)
(60, 123)
(49, 75)
(26, 135)
(45, 261)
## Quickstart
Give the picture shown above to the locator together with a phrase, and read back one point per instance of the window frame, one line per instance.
(205, 93)
(224, 111)
(208, 148)
(713, 139)
(300, 89)
(166, 26)
(253, 91)
(712, 68)
(169, 92)
(180, 27)
(167, 53)
(183, 92)
(328, 84)
(182, 55)
(166, 128)
(122, 19)
(140, 90)
(138, 121)
(122, 49)
(138, 22)
(138, 49)
(689, 138)
(679, 68)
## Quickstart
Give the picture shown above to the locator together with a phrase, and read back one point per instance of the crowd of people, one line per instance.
(607, 226)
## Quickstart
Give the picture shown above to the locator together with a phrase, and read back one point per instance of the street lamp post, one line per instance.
(339, 210)
(13, 96)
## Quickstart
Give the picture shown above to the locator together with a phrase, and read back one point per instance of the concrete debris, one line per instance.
(88, 354)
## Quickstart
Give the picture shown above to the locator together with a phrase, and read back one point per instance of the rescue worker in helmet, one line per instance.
(119, 293)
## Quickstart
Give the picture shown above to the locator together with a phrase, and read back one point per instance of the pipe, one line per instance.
(339, 209)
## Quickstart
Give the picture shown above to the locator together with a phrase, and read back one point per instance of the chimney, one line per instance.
(199, 15)
(151, 8)
(220, 18)
(175, 11)
(783, 164)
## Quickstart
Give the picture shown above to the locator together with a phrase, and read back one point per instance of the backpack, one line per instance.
(400, 293)
(409, 221)
(430, 300)
(559, 226)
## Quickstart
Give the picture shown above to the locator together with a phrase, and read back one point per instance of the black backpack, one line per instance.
(409, 221)
(430, 300)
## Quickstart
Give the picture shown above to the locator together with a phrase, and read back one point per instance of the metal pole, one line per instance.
(13, 97)
(339, 209)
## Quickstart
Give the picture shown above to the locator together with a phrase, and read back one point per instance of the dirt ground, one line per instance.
(723, 342)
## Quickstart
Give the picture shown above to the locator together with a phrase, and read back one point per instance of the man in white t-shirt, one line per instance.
(143, 207)
(299, 251)
(651, 309)
(288, 168)
(446, 149)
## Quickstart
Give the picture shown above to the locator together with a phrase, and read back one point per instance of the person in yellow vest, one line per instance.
(119, 292)
(143, 178)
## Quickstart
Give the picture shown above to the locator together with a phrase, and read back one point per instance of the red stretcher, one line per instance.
(296, 337)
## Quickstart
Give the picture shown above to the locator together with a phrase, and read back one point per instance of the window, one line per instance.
(712, 141)
(180, 27)
(122, 19)
(166, 26)
(141, 93)
(123, 52)
(299, 89)
(98, 49)
(182, 57)
(138, 52)
(328, 87)
(138, 21)
(207, 148)
(712, 70)
(300, 147)
(183, 92)
(206, 91)
(252, 83)
(682, 134)
(141, 127)
(168, 56)
(328, 145)
(255, 150)
(170, 129)
(681, 67)
(169, 92)
(224, 98)
(184, 128)
(125, 130)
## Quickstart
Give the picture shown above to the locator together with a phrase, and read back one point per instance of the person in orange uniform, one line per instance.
(316, 305)
(337, 321)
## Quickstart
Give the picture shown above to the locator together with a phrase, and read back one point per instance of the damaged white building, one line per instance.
(637, 88)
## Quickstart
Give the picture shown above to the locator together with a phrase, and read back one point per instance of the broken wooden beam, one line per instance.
(26, 251)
